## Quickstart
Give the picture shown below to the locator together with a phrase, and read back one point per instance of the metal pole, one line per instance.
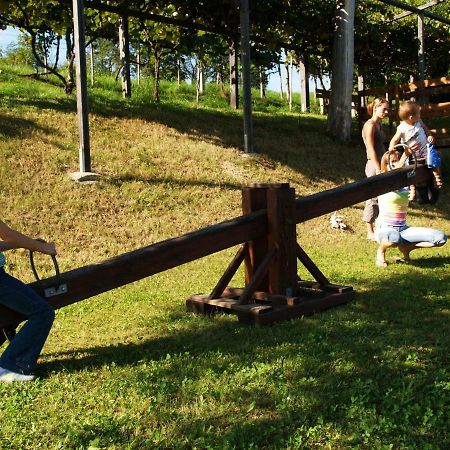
(82, 98)
(416, 10)
(246, 80)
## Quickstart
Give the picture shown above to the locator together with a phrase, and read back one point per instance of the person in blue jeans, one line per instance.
(20, 357)
(392, 229)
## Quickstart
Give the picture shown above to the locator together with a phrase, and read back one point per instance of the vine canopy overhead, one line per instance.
(304, 26)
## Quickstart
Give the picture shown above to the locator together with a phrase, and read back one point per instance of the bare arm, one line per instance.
(403, 158)
(430, 137)
(369, 133)
(395, 140)
(10, 238)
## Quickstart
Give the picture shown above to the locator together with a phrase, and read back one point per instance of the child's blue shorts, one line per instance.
(433, 157)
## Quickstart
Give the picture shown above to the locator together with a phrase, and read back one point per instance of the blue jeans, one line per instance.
(23, 351)
(410, 235)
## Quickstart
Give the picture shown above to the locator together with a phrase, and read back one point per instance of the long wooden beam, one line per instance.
(184, 23)
(416, 10)
(88, 281)
(325, 202)
(421, 7)
(131, 12)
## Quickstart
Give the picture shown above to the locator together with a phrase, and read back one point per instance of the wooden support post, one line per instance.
(310, 266)
(229, 273)
(254, 198)
(258, 276)
(282, 236)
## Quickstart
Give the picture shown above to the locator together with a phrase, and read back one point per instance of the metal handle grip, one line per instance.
(413, 154)
(55, 263)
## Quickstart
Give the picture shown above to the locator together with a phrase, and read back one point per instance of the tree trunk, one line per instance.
(221, 84)
(138, 68)
(234, 77)
(262, 83)
(201, 82)
(92, 63)
(339, 121)
(198, 82)
(124, 49)
(288, 81)
(421, 49)
(156, 97)
(70, 57)
(304, 86)
(281, 80)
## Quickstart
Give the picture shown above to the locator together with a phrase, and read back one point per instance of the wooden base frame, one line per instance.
(257, 307)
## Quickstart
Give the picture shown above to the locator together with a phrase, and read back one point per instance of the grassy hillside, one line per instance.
(130, 369)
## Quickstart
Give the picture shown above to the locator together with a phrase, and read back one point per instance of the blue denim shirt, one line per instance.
(2, 259)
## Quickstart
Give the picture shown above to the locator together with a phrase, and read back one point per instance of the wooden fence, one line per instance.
(433, 97)
(91, 280)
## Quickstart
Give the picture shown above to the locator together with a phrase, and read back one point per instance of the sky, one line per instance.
(10, 35)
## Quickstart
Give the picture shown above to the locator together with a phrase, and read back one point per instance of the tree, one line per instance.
(339, 121)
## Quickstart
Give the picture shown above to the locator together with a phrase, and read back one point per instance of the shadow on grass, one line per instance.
(376, 365)
(127, 178)
(14, 127)
(432, 262)
(298, 141)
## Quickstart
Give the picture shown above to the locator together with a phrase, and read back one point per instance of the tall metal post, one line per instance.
(246, 80)
(82, 97)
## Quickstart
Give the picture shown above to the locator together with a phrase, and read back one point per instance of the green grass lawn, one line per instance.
(131, 369)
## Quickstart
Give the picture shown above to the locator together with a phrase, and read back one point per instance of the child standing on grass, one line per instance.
(415, 134)
(20, 357)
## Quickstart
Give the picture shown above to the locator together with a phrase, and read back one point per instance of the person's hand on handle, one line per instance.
(49, 248)
(42, 246)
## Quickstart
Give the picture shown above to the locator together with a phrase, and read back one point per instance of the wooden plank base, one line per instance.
(267, 309)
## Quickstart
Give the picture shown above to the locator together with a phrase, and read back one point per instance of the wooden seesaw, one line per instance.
(267, 234)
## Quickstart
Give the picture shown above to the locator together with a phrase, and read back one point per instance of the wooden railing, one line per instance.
(432, 95)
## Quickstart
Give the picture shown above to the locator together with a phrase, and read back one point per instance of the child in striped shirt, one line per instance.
(392, 229)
